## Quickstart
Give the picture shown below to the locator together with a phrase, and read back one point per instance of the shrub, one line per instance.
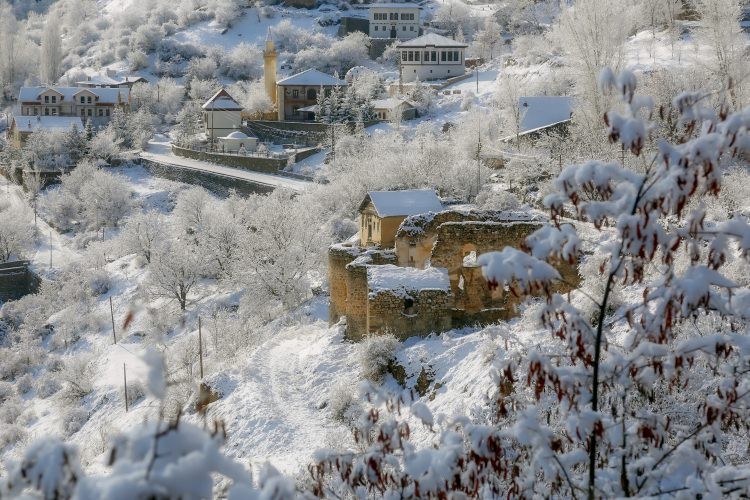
(343, 404)
(24, 384)
(11, 434)
(73, 420)
(376, 354)
(47, 385)
(6, 391)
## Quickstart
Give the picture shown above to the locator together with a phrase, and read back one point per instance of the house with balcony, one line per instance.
(297, 95)
(431, 57)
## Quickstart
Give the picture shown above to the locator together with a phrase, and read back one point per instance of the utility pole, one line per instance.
(112, 314)
(476, 70)
(125, 383)
(200, 346)
(479, 161)
(50, 249)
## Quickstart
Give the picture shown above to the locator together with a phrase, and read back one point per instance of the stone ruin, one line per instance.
(429, 282)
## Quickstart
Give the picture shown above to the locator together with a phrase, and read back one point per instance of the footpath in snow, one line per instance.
(160, 152)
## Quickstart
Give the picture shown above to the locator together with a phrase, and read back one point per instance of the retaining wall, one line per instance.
(254, 163)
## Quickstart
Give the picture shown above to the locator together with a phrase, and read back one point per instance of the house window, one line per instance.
(403, 55)
(89, 113)
(46, 99)
(107, 110)
(101, 112)
(83, 112)
(295, 93)
(311, 94)
(36, 111)
(411, 28)
(411, 55)
(433, 56)
(88, 99)
(416, 56)
(394, 16)
(442, 55)
(83, 99)
(376, 28)
(54, 111)
(46, 111)
(54, 99)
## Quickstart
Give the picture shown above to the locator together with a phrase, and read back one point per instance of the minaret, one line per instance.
(269, 67)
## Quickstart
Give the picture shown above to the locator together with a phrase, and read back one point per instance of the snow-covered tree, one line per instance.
(51, 55)
(143, 232)
(16, 234)
(175, 269)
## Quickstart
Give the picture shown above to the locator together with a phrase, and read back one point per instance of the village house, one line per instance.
(538, 113)
(431, 57)
(89, 104)
(111, 81)
(21, 127)
(417, 273)
(297, 95)
(222, 115)
(394, 109)
(394, 20)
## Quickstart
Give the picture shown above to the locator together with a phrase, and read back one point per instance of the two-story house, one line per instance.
(431, 57)
(394, 20)
(300, 91)
(89, 104)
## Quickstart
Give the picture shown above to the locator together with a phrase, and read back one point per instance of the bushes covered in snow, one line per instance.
(376, 355)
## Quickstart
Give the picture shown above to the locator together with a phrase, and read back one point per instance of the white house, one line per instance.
(238, 142)
(296, 94)
(431, 57)
(222, 115)
(94, 104)
(394, 20)
(393, 109)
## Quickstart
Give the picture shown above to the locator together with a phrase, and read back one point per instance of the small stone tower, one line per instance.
(269, 68)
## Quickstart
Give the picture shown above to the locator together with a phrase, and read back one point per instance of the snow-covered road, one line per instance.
(160, 152)
(273, 408)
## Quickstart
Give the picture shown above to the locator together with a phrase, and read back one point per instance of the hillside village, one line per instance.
(425, 249)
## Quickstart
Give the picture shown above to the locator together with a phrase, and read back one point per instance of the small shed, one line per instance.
(222, 115)
(393, 109)
(238, 142)
(381, 213)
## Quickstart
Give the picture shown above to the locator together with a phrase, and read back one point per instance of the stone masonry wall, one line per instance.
(339, 257)
(430, 311)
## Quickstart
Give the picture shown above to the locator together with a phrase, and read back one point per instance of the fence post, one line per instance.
(200, 346)
(112, 314)
(125, 381)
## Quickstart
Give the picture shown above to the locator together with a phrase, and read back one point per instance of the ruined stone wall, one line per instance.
(339, 256)
(357, 290)
(429, 311)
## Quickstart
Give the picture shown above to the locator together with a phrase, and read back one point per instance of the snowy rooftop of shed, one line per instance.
(406, 202)
(221, 100)
(432, 40)
(32, 123)
(402, 280)
(108, 80)
(390, 103)
(312, 77)
(540, 112)
(236, 135)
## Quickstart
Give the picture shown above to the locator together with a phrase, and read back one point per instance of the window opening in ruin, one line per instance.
(408, 305)
(461, 282)
(470, 259)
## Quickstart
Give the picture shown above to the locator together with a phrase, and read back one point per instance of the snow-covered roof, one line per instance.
(105, 95)
(540, 112)
(395, 5)
(236, 135)
(32, 123)
(108, 80)
(403, 280)
(311, 77)
(431, 40)
(390, 103)
(221, 100)
(406, 202)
